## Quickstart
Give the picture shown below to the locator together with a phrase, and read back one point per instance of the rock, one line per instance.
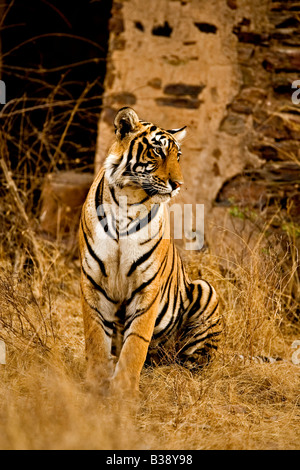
(233, 124)
(274, 183)
(189, 103)
(271, 125)
(179, 89)
(61, 200)
(242, 192)
(264, 150)
(282, 59)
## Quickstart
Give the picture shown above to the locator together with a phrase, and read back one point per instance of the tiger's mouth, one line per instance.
(156, 189)
(164, 193)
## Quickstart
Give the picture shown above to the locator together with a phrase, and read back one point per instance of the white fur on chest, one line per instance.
(119, 254)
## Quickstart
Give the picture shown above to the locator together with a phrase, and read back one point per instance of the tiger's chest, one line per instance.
(127, 250)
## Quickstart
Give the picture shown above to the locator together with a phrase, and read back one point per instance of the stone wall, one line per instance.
(263, 112)
(224, 69)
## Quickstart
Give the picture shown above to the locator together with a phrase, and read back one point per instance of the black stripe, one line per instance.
(83, 219)
(208, 299)
(141, 287)
(147, 143)
(113, 195)
(212, 325)
(141, 202)
(211, 346)
(154, 236)
(139, 313)
(93, 254)
(199, 341)
(175, 317)
(104, 223)
(147, 219)
(142, 258)
(140, 150)
(143, 134)
(143, 222)
(196, 305)
(103, 321)
(98, 194)
(162, 314)
(99, 208)
(87, 263)
(174, 131)
(164, 263)
(139, 336)
(168, 284)
(115, 166)
(170, 276)
(129, 155)
(190, 287)
(211, 313)
(144, 284)
(115, 226)
(200, 337)
(97, 287)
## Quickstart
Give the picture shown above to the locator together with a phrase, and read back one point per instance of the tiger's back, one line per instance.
(136, 296)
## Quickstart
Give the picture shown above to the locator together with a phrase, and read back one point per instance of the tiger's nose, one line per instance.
(175, 184)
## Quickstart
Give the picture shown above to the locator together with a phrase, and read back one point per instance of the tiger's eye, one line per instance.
(159, 151)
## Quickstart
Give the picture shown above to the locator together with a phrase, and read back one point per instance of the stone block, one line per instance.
(63, 195)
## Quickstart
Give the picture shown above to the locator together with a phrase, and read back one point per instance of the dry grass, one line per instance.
(45, 403)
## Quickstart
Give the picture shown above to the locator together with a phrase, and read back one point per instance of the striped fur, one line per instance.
(137, 298)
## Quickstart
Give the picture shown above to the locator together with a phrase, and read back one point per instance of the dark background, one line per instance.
(55, 48)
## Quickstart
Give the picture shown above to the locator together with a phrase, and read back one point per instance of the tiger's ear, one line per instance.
(179, 134)
(125, 122)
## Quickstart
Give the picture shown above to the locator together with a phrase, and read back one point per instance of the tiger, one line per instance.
(137, 299)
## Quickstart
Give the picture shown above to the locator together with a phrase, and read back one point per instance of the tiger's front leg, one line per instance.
(98, 333)
(138, 331)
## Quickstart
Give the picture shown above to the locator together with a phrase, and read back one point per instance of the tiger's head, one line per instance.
(145, 156)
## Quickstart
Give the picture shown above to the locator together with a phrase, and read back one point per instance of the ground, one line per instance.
(233, 404)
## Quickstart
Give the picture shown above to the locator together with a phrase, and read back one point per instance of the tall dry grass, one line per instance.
(44, 400)
(45, 403)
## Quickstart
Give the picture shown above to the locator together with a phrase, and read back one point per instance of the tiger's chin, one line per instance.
(160, 198)
(164, 197)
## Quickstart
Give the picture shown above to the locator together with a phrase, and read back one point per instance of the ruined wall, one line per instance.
(268, 196)
(224, 69)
